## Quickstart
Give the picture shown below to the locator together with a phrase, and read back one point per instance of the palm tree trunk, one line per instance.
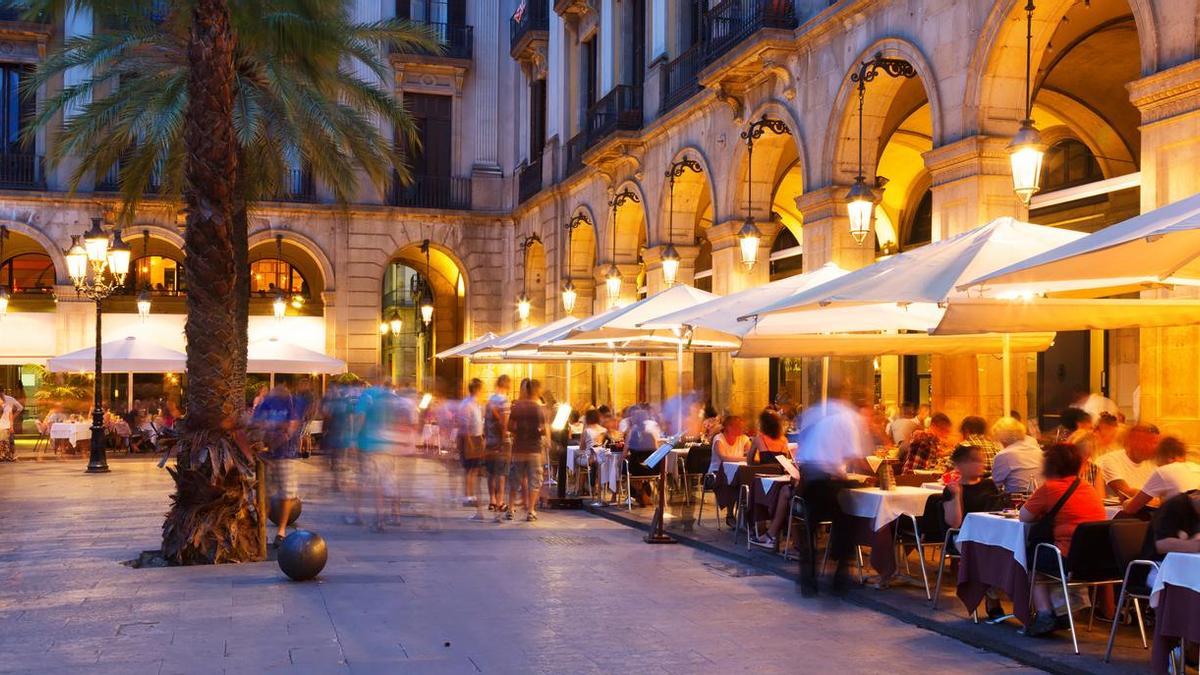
(241, 262)
(213, 517)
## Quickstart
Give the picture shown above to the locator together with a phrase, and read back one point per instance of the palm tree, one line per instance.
(289, 94)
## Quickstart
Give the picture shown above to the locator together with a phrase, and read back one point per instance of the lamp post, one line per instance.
(612, 278)
(860, 200)
(523, 303)
(97, 269)
(143, 296)
(670, 257)
(750, 236)
(1026, 151)
(569, 294)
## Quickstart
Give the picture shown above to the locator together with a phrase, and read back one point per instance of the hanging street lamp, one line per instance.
(279, 306)
(143, 296)
(569, 294)
(861, 199)
(750, 236)
(98, 268)
(523, 303)
(1026, 150)
(670, 257)
(612, 278)
(422, 290)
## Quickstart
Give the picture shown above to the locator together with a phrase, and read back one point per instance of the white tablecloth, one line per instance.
(673, 460)
(571, 452)
(937, 485)
(993, 530)
(1177, 569)
(730, 469)
(884, 506)
(769, 482)
(610, 468)
(70, 431)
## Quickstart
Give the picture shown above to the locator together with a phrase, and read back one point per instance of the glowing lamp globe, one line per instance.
(1025, 153)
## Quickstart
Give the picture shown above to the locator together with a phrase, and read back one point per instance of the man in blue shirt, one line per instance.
(277, 419)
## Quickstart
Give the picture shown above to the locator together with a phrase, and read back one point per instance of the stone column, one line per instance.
(482, 101)
(972, 185)
(827, 239)
(741, 386)
(1169, 103)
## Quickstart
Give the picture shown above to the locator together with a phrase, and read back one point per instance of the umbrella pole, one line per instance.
(679, 388)
(1006, 366)
(824, 383)
(567, 385)
(129, 392)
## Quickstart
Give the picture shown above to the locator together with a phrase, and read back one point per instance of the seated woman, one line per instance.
(1061, 470)
(731, 445)
(970, 492)
(643, 436)
(770, 441)
(1174, 475)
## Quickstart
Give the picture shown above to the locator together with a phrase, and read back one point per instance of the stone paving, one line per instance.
(572, 593)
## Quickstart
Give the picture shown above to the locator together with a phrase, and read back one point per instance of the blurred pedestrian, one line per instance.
(496, 448)
(470, 438)
(377, 415)
(530, 433)
(276, 419)
(10, 414)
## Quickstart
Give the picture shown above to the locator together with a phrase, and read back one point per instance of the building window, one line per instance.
(271, 275)
(432, 115)
(28, 273)
(920, 229)
(589, 77)
(17, 109)
(786, 256)
(537, 119)
(1069, 163)
(443, 12)
(161, 275)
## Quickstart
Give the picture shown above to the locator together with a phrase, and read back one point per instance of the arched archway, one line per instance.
(415, 272)
(625, 239)
(581, 258)
(279, 264)
(692, 201)
(759, 174)
(534, 280)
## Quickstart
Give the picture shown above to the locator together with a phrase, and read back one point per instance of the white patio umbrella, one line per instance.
(469, 347)
(274, 355)
(923, 280)
(127, 355)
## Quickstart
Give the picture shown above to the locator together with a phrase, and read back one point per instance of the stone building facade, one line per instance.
(554, 106)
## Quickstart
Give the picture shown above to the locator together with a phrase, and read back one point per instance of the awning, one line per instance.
(876, 344)
(127, 355)
(965, 316)
(277, 356)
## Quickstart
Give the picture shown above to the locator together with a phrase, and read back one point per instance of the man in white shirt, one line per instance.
(1018, 467)
(1174, 475)
(470, 439)
(1125, 471)
(904, 425)
(832, 440)
(10, 411)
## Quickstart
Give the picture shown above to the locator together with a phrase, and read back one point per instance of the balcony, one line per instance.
(22, 171)
(111, 182)
(732, 21)
(432, 192)
(619, 110)
(458, 44)
(529, 29)
(529, 180)
(298, 186)
(575, 149)
(679, 78)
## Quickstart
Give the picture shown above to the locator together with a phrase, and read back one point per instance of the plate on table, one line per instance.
(1008, 513)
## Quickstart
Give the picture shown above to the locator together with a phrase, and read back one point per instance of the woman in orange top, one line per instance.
(1061, 469)
(770, 441)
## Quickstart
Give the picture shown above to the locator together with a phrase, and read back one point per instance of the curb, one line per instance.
(863, 599)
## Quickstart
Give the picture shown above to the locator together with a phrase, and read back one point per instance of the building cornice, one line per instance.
(1168, 93)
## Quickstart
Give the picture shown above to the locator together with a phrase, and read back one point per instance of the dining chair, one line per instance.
(1131, 539)
(1090, 564)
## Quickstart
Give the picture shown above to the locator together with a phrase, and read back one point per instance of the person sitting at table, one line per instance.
(1174, 475)
(927, 449)
(711, 426)
(731, 445)
(969, 491)
(770, 442)
(1018, 467)
(975, 432)
(1061, 470)
(1125, 471)
(642, 438)
(904, 424)
(1176, 524)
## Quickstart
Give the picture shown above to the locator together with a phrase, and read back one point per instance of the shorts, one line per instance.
(470, 451)
(498, 461)
(282, 478)
(528, 465)
(379, 470)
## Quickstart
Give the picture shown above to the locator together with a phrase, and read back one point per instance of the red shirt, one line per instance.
(1083, 506)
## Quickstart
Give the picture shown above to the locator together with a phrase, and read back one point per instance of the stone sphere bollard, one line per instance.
(303, 555)
(275, 508)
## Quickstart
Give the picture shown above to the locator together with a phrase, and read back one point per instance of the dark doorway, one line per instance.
(433, 118)
(1063, 371)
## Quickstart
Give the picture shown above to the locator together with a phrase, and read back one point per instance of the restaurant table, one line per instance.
(674, 457)
(764, 495)
(71, 432)
(1176, 599)
(874, 512)
(733, 475)
(609, 467)
(993, 554)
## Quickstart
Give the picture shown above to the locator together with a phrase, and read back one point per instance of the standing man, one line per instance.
(377, 414)
(10, 412)
(832, 440)
(277, 419)
(495, 436)
(530, 430)
(470, 440)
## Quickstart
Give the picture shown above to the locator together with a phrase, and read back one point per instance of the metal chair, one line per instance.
(1129, 541)
(1090, 564)
(636, 471)
(707, 483)
(798, 511)
(694, 465)
(923, 528)
(949, 552)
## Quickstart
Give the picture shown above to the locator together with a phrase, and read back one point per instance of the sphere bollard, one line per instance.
(303, 555)
(276, 508)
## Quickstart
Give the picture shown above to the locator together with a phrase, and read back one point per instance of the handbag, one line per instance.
(1042, 531)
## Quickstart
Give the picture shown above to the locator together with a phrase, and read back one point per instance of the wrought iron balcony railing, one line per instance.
(529, 180)
(679, 78)
(298, 186)
(575, 149)
(458, 42)
(531, 16)
(619, 109)
(731, 21)
(433, 192)
(21, 171)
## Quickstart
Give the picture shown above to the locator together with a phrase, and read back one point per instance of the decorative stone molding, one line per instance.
(22, 42)
(736, 103)
(429, 78)
(574, 11)
(971, 156)
(1168, 93)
